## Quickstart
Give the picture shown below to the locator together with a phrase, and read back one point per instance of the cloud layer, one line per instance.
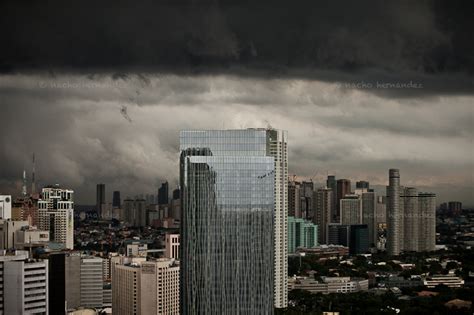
(74, 124)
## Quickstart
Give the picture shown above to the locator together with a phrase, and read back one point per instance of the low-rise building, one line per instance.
(328, 284)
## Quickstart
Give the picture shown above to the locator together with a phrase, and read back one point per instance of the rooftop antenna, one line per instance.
(33, 180)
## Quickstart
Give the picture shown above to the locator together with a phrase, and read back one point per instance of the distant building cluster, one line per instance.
(219, 242)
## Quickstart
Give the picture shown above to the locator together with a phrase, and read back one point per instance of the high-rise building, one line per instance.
(24, 288)
(294, 199)
(76, 280)
(411, 218)
(362, 185)
(411, 222)
(323, 204)
(454, 208)
(351, 210)
(134, 212)
(5, 207)
(163, 194)
(116, 201)
(369, 204)
(234, 221)
(343, 189)
(427, 222)
(358, 239)
(306, 200)
(301, 234)
(56, 215)
(145, 287)
(394, 215)
(332, 183)
(91, 282)
(100, 198)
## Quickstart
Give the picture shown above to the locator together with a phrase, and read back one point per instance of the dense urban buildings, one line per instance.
(232, 192)
(56, 215)
(411, 218)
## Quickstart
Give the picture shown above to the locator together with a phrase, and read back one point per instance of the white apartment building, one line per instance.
(56, 215)
(5, 207)
(24, 284)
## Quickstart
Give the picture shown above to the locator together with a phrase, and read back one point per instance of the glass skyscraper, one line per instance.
(228, 221)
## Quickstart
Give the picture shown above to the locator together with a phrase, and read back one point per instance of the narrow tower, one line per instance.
(33, 180)
(393, 212)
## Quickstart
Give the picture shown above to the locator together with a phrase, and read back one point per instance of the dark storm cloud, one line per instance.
(400, 40)
(74, 125)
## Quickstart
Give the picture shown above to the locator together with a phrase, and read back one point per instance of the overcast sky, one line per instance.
(320, 72)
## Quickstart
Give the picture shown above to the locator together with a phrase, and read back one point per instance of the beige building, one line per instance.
(144, 287)
(56, 215)
(172, 246)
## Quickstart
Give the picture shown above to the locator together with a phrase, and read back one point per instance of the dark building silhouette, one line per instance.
(176, 194)
(358, 239)
(332, 183)
(163, 193)
(100, 197)
(116, 199)
(362, 184)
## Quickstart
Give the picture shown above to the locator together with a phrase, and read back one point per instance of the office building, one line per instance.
(8, 230)
(427, 222)
(145, 287)
(24, 284)
(134, 212)
(234, 193)
(116, 201)
(5, 207)
(301, 234)
(91, 282)
(306, 200)
(411, 222)
(394, 215)
(358, 239)
(294, 199)
(355, 236)
(323, 205)
(100, 198)
(351, 210)
(159, 287)
(369, 205)
(343, 189)
(163, 194)
(172, 246)
(362, 185)
(56, 215)
(332, 184)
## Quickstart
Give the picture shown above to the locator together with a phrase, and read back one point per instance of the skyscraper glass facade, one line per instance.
(227, 223)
